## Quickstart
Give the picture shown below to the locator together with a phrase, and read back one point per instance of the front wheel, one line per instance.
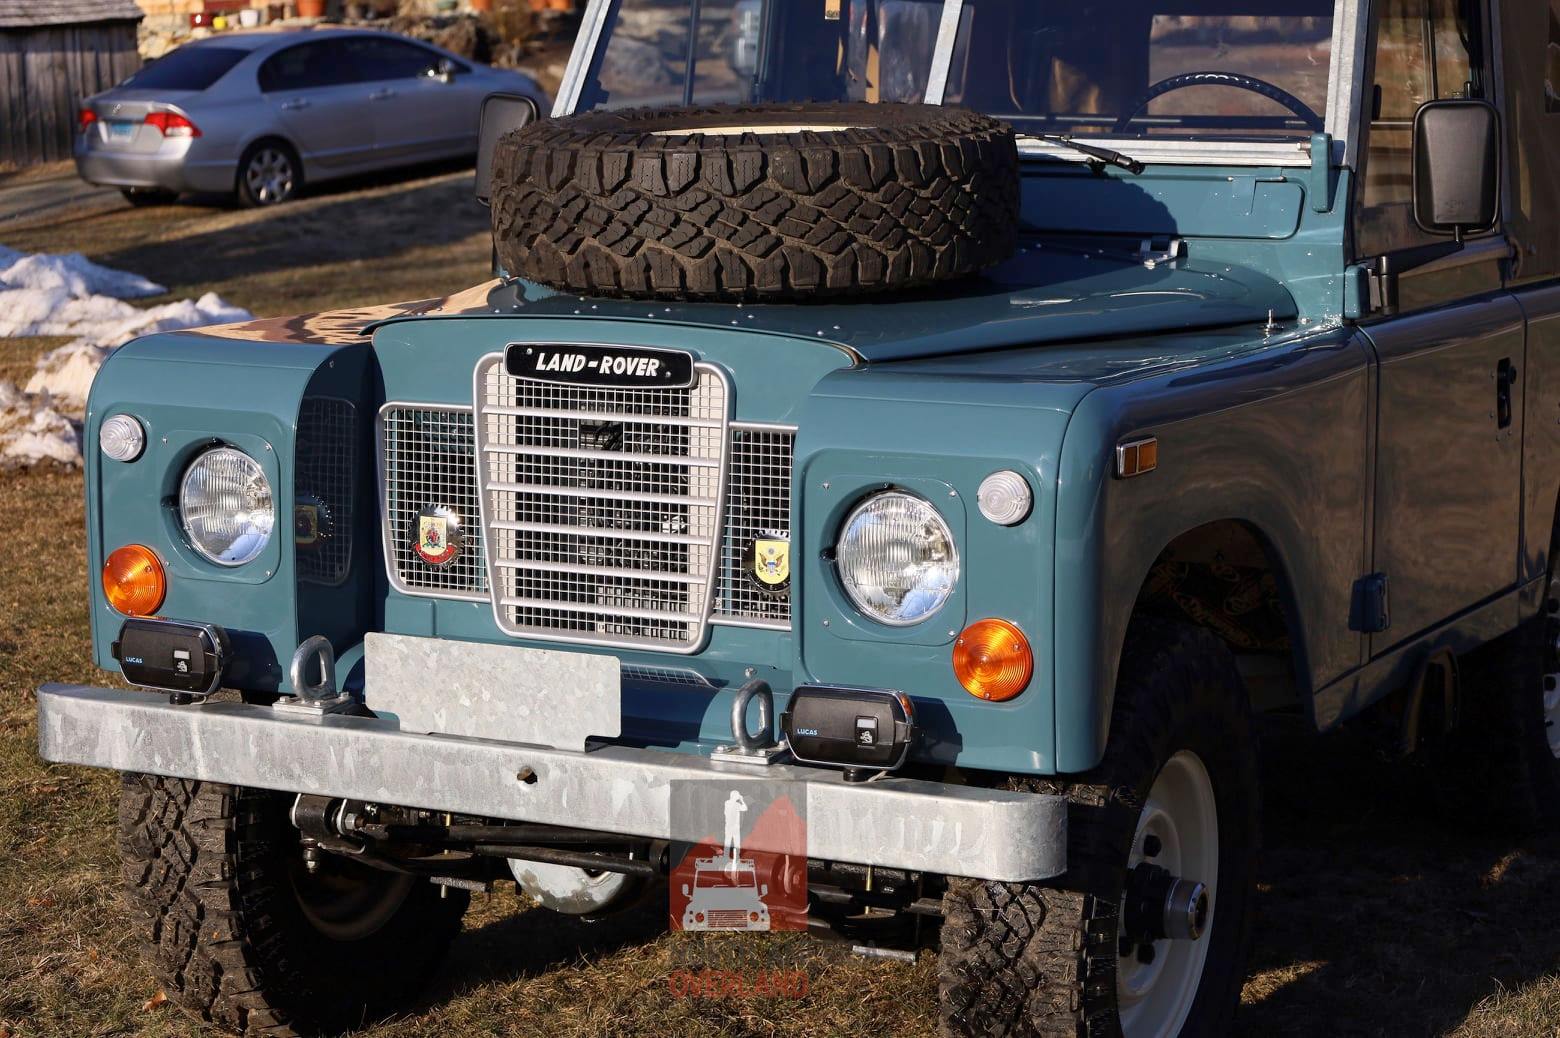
(269, 174)
(1147, 933)
(241, 934)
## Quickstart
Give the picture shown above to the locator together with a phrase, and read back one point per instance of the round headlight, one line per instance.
(226, 506)
(122, 438)
(896, 558)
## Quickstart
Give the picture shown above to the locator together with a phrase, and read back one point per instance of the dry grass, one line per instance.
(1378, 916)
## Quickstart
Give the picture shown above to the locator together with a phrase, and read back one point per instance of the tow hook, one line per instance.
(1160, 905)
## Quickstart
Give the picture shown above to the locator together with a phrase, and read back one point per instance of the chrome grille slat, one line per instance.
(594, 493)
(596, 571)
(426, 457)
(578, 415)
(603, 507)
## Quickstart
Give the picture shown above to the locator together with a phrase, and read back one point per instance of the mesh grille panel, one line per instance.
(323, 490)
(429, 462)
(758, 498)
(603, 506)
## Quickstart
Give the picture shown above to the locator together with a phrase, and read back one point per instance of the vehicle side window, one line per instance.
(1425, 50)
(303, 67)
(376, 59)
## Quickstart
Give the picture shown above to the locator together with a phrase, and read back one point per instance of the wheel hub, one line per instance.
(1168, 901)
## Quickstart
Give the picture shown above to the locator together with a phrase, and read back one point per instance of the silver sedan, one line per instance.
(260, 114)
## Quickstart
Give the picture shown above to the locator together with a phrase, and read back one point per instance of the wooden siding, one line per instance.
(44, 74)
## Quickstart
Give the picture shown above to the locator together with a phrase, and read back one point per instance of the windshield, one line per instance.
(762, 50)
(1183, 68)
(1130, 68)
(188, 68)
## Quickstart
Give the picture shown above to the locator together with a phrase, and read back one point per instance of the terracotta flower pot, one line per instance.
(311, 8)
(480, 6)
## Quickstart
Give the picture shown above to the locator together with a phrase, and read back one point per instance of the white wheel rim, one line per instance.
(269, 176)
(1155, 998)
(1552, 669)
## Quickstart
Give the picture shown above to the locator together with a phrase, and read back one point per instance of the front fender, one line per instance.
(1277, 439)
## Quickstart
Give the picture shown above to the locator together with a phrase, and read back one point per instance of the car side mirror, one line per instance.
(764, 890)
(1457, 167)
(686, 891)
(501, 113)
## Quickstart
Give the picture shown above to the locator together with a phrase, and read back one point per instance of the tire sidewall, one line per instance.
(241, 188)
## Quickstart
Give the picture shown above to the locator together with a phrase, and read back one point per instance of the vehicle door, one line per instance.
(417, 112)
(1449, 346)
(310, 90)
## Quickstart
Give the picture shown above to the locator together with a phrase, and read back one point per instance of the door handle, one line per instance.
(381, 95)
(1505, 377)
(295, 104)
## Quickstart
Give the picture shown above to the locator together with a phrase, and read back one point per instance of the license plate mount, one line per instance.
(509, 693)
(120, 130)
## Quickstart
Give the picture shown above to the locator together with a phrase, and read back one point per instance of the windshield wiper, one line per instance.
(1105, 155)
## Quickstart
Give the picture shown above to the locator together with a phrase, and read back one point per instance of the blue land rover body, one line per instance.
(1260, 399)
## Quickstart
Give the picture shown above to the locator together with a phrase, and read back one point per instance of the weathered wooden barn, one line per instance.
(52, 54)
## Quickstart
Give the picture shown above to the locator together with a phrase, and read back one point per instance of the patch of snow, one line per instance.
(32, 431)
(74, 273)
(69, 295)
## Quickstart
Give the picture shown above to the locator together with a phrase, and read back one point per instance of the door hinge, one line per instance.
(1368, 608)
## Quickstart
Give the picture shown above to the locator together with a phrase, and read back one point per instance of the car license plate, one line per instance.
(119, 130)
(505, 692)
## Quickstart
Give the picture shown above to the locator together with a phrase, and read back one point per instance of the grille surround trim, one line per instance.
(387, 527)
(699, 623)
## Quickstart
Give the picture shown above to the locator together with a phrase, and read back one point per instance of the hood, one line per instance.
(1044, 294)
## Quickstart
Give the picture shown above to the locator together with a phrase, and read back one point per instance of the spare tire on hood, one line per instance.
(755, 202)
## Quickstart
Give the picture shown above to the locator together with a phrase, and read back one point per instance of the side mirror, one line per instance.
(686, 891)
(1457, 167)
(764, 890)
(500, 114)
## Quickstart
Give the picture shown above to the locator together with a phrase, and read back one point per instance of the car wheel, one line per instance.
(1146, 935)
(269, 174)
(241, 933)
(145, 196)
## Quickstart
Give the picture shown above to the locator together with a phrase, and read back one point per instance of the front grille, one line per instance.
(323, 489)
(758, 507)
(428, 454)
(603, 507)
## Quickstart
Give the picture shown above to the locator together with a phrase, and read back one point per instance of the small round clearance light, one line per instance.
(122, 438)
(992, 660)
(133, 581)
(1005, 498)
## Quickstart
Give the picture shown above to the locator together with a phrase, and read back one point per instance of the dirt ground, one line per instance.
(1378, 915)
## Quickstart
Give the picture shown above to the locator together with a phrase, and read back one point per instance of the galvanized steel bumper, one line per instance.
(895, 823)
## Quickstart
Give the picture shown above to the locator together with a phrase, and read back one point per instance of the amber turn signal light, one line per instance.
(992, 660)
(133, 580)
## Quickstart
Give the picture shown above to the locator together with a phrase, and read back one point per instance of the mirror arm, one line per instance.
(1390, 265)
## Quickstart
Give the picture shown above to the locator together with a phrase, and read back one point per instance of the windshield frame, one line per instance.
(1345, 84)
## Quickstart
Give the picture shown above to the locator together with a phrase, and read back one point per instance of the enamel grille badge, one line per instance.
(769, 561)
(439, 535)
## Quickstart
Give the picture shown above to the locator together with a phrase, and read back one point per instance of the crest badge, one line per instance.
(770, 561)
(439, 535)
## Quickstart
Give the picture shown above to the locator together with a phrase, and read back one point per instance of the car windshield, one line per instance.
(1232, 68)
(1181, 68)
(762, 50)
(188, 68)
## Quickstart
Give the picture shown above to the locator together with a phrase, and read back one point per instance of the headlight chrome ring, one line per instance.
(226, 506)
(897, 559)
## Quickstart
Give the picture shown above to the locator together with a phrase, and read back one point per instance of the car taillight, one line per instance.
(84, 118)
(172, 124)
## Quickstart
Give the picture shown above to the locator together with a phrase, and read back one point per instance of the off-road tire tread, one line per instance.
(602, 204)
(1038, 960)
(198, 867)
